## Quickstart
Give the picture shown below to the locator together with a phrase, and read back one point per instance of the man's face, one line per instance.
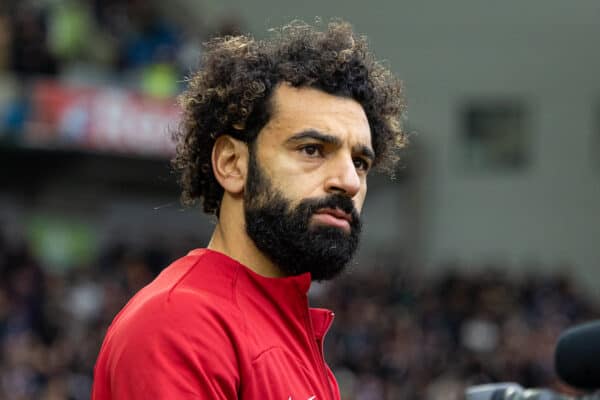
(307, 181)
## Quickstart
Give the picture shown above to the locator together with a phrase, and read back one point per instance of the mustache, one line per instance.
(344, 203)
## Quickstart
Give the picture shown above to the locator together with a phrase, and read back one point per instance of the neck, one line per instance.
(231, 239)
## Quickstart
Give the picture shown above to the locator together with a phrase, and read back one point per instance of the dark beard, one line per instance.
(283, 233)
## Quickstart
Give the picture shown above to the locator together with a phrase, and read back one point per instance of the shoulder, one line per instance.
(169, 331)
(191, 294)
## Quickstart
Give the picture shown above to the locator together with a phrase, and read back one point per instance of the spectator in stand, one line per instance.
(30, 54)
(123, 41)
(5, 40)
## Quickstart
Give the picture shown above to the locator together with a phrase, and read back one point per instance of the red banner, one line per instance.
(101, 119)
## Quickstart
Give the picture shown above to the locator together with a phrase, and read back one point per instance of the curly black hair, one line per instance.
(230, 94)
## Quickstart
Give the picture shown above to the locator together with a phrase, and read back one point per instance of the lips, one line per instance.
(336, 212)
(333, 217)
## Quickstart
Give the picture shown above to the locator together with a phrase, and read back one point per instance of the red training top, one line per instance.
(210, 328)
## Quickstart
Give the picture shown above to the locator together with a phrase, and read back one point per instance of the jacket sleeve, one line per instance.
(180, 348)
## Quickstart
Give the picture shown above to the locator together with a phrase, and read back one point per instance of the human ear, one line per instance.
(230, 163)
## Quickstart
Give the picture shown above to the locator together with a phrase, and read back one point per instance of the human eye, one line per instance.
(361, 164)
(311, 150)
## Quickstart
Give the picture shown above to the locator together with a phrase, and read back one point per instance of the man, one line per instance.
(277, 140)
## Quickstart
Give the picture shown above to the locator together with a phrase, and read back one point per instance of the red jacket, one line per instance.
(209, 328)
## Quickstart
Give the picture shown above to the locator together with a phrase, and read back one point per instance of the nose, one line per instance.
(343, 178)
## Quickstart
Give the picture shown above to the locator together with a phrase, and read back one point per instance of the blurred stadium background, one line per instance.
(480, 252)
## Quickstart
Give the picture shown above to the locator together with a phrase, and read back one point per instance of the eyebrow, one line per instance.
(361, 149)
(364, 151)
(315, 135)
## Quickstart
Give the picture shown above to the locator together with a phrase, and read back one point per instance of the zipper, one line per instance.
(317, 346)
(325, 367)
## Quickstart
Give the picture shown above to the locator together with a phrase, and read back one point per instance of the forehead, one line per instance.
(298, 109)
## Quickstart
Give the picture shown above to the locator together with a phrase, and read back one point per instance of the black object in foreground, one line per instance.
(510, 391)
(577, 356)
(513, 391)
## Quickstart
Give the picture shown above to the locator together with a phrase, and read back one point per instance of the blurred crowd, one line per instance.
(63, 63)
(130, 43)
(397, 334)
(52, 322)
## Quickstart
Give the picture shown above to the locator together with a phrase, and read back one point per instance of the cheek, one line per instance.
(295, 182)
(298, 187)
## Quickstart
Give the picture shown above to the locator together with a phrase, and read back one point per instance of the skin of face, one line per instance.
(314, 144)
